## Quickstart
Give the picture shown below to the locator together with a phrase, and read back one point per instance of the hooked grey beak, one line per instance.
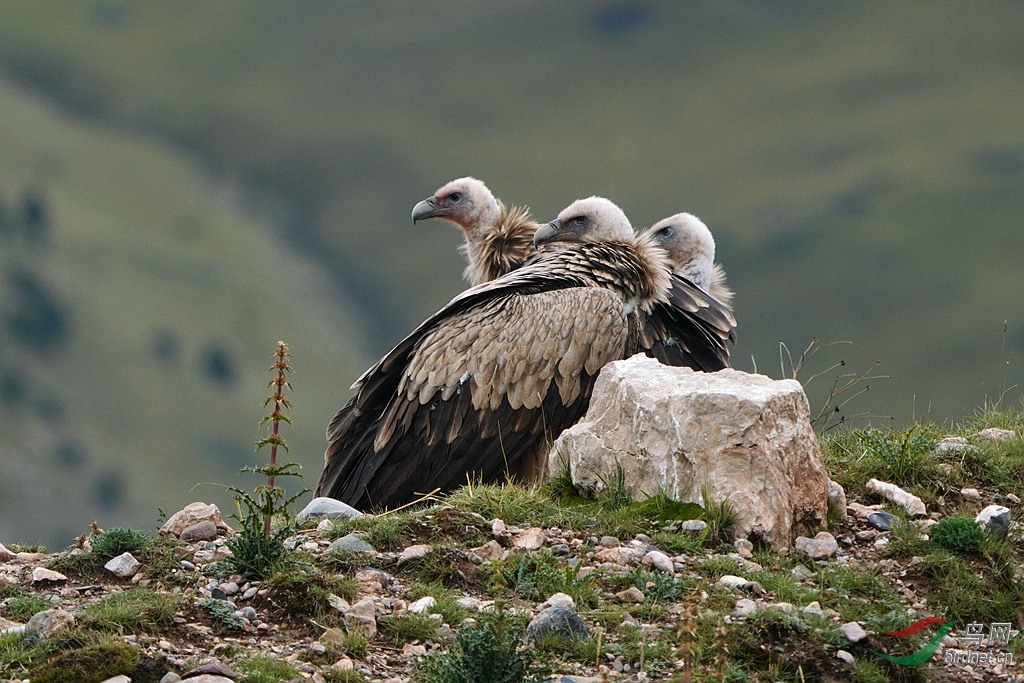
(424, 209)
(546, 232)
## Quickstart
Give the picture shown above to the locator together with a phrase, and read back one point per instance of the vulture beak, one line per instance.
(426, 209)
(546, 232)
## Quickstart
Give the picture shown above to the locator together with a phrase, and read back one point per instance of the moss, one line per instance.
(91, 663)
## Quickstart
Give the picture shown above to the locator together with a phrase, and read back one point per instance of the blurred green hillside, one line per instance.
(220, 175)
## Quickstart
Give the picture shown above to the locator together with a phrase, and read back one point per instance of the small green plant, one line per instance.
(487, 653)
(223, 612)
(961, 535)
(257, 551)
(114, 542)
(830, 415)
(902, 459)
(538, 575)
(720, 518)
(262, 669)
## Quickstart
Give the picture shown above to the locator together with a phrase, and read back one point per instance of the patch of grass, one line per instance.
(450, 610)
(351, 642)
(905, 540)
(658, 587)
(538, 575)
(383, 532)
(512, 504)
(334, 675)
(487, 653)
(305, 592)
(402, 628)
(867, 671)
(262, 669)
(957, 534)
(901, 458)
(136, 609)
(436, 566)
(90, 663)
(23, 607)
(117, 541)
(720, 518)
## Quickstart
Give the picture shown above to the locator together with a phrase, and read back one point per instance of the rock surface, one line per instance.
(193, 514)
(894, 494)
(747, 438)
(995, 519)
(558, 620)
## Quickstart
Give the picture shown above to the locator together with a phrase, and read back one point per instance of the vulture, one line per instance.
(691, 250)
(498, 238)
(695, 326)
(484, 385)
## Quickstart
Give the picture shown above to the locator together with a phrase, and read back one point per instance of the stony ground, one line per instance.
(659, 598)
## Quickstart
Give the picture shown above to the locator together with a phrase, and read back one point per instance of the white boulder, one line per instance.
(746, 438)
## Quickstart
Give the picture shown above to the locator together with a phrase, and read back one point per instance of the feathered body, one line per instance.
(492, 378)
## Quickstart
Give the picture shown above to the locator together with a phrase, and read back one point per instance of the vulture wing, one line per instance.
(486, 382)
(689, 328)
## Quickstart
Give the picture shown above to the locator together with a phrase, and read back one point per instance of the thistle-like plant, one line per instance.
(258, 552)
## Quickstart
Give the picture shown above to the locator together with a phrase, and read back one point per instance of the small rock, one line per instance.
(814, 609)
(414, 552)
(744, 607)
(631, 594)
(845, 656)
(334, 637)
(697, 525)
(118, 679)
(531, 539)
(784, 607)
(621, 555)
(324, 526)
(124, 565)
(560, 550)
(744, 548)
(498, 526)
(995, 434)
(229, 588)
(882, 520)
(352, 543)
(210, 668)
(560, 599)
(363, 618)
(609, 542)
(1013, 498)
(49, 623)
(170, 677)
(953, 444)
(801, 572)
(970, 494)
(853, 632)
(5, 554)
(891, 492)
(474, 604)
(862, 511)
(44, 575)
(423, 605)
(730, 582)
(489, 551)
(559, 620)
(338, 603)
(995, 519)
(659, 561)
(327, 508)
(191, 514)
(837, 500)
(822, 546)
(866, 536)
(201, 531)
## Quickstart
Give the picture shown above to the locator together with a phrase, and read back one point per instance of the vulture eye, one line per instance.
(579, 221)
(455, 197)
(667, 232)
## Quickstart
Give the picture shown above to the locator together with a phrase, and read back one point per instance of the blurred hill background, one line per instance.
(183, 184)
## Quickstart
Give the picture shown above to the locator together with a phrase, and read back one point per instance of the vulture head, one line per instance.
(691, 251)
(466, 202)
(689, 244)
(594, 219)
